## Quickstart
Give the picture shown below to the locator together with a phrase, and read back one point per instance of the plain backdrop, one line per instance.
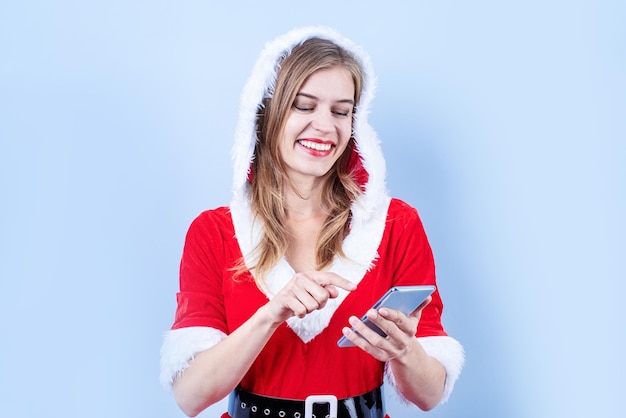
(503, 123)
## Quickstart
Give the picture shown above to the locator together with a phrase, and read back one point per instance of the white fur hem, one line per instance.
(180, 346)
(449, 352)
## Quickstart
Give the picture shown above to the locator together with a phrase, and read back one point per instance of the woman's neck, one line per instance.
(304, 202)
(305, 219)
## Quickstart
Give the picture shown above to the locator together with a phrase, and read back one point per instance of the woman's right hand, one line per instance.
(305, 293)
(215, 372)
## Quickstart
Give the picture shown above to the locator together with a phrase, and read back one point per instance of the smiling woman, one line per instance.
(318, 127)
(310, 240)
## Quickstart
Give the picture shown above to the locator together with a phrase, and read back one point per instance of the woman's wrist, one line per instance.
(266, 318)
(413, 355)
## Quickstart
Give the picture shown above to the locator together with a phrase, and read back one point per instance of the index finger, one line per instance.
(325, 278)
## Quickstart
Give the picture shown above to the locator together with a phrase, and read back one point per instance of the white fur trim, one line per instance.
(179, 348)
(369, 211)
(449, 352)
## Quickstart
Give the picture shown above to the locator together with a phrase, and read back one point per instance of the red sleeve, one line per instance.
(414, 264)
(202, 268)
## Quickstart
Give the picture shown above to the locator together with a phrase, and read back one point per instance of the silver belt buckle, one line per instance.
(313, 399)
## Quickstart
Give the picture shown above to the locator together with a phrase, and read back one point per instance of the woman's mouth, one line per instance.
(315, 145)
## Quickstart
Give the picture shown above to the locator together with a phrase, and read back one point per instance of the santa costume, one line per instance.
(386, 246)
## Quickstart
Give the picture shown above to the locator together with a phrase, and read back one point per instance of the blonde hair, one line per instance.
(269, 179)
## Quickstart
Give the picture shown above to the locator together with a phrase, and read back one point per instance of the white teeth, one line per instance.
(315, 145)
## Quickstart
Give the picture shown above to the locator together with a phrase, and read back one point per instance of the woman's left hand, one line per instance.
(400, 330)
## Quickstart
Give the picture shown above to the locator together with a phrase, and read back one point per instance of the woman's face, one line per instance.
(319, 124)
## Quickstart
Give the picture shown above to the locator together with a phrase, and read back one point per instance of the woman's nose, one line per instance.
(322, 121)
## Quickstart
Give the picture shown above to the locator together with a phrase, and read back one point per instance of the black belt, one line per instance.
(242, 404)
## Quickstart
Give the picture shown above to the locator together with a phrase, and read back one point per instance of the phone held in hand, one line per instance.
(402, 298)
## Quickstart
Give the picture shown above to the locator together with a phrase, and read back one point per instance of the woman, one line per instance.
(309, 242)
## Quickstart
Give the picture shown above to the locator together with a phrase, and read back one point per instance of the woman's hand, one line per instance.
(400, 330)
(305, 293)
(417, 376)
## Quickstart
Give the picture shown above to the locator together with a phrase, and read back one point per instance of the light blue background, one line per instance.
(504, 123)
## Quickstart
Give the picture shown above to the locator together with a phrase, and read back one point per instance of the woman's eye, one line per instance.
(341, 113)
(303, 106)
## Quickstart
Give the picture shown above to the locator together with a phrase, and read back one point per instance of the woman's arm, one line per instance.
(419, 377)
(217, 371)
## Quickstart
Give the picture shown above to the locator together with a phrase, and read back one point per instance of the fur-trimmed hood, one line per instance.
(261, 85)
(368, 211)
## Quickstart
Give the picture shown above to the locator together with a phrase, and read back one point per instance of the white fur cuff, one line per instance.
(180, 346)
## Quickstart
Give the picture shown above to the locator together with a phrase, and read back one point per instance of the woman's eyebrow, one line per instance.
(312, 97)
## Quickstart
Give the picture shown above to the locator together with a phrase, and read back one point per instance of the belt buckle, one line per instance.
(313, 399)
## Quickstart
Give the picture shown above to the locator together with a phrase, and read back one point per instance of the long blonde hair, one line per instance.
(269, 179)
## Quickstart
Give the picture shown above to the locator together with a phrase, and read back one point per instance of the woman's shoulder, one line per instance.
(217, 219)
(398, 208)
(220, 212)
(402, 216)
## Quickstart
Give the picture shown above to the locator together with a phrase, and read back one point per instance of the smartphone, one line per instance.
(402, 298)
